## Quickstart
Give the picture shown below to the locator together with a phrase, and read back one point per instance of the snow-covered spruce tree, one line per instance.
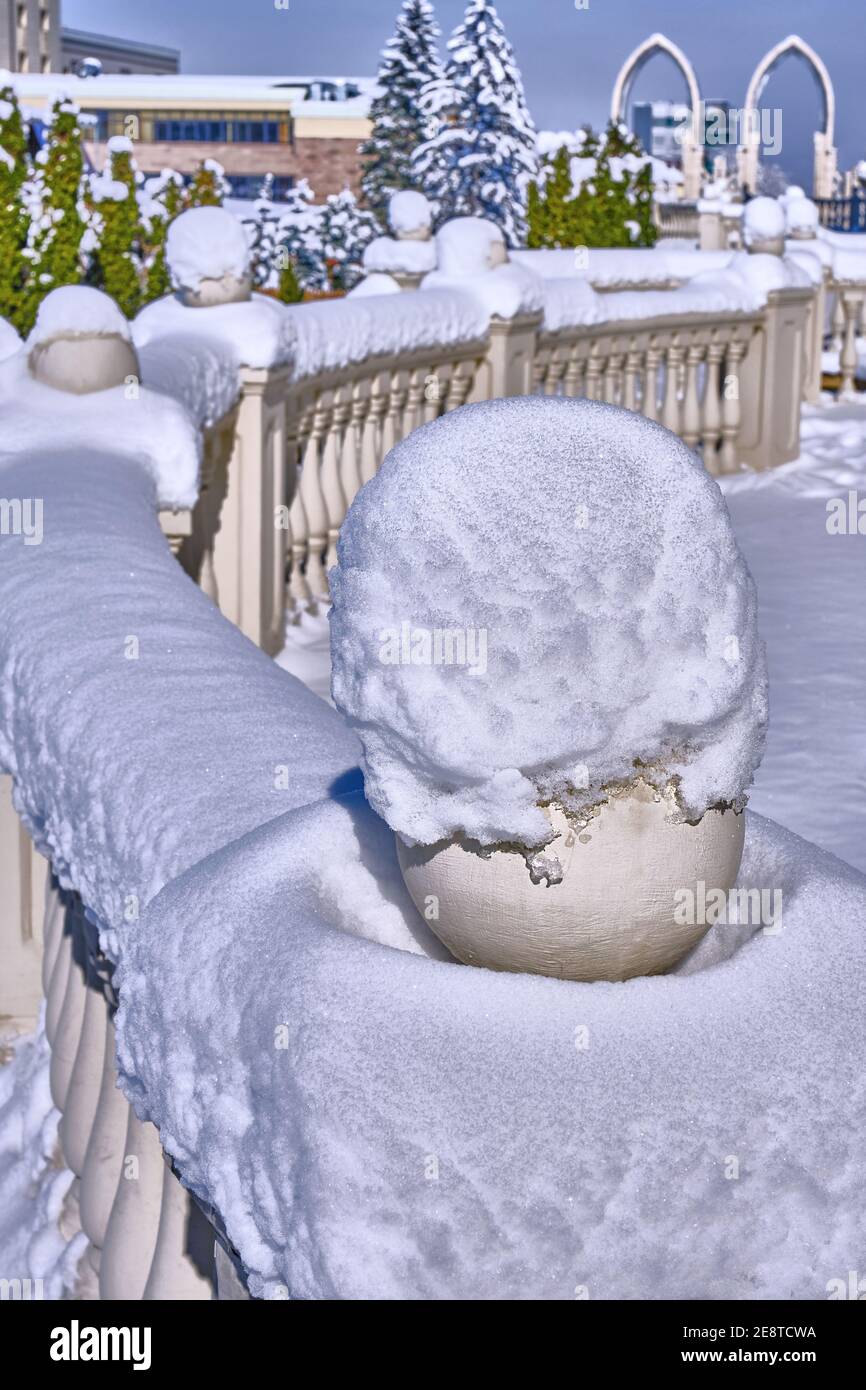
(299, 249)
(344, 231)
(13, 213)
(55, 200)
(262, 229)
(119, 268)
(481, 157)
(164, 201)
(410, 63)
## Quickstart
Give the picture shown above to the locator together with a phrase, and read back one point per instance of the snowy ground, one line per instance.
(811, 589)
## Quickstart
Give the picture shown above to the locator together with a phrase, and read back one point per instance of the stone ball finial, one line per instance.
(208, 258)
(81, 342)
(410, 216)
(764, 227)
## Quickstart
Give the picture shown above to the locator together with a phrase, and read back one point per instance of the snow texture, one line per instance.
(138, 426)
(335, 333)
(255, 333)
(763, 219)
(77, 310)
(633, 628)
(387, 254)
(206, 244)
(9, 340)
(465, 246)
(373, 285)
(409, 211)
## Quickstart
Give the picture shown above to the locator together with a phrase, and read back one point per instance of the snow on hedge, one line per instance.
(131, 423)
(630, 633)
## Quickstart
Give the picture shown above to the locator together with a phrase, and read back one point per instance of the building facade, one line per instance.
(292, 127)
(30, 35)
(80, 49)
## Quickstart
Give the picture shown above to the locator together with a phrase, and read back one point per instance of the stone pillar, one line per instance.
(693, 168)
(507, 367)
(772, 381)
(824, 178)
(250, 550)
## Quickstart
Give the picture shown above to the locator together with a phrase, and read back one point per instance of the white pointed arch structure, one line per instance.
(659, 43)
(825, 152)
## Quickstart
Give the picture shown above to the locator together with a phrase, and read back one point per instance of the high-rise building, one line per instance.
(30, 35)
(82, 52)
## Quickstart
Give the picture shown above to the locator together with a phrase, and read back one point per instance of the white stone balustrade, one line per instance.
(279, 474)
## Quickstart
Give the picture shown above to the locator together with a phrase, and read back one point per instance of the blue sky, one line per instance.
(569, 57)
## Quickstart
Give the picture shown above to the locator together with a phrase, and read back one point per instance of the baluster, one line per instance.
(314, 502)
(555, 372)
(691, 400)
(650, 402)
(182, 1265)
(848, 355)
(60, 973)
(671, 403)
(64, 1045)
(105, 1152)
(130, 1236)
(711, 427)
(338, 409)
(613, 378)
(593, 374)
(372, 443)
(52, 930)
(539, 368)
(575, 372)
(300, 594)
(633, 363)
(350, 459)
(436, 387)
(414, 412)
(85, 1079)
(461, 381)
(838, 321)
(731, 415)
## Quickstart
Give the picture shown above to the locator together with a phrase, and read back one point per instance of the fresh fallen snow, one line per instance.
(638, 585)
(32, 1190)
(199, 372)
(372, 285)
(9, 339)
(77, 310)
(139, 425)
(335, 333)
(619, 267)
(206, 244)
(409, 211)
(255, 333)
(166, 754)
(763, 219)
(375, 1124)
(387, 254)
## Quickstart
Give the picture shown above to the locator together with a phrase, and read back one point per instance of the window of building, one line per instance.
(203, 127)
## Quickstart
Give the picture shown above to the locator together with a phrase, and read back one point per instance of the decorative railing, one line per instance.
(280, 471)
(843, 214)
(677, 219)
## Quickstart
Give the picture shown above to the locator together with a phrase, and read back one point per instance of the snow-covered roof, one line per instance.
(197, 89)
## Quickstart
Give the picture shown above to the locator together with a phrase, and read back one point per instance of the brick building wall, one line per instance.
(328, 164)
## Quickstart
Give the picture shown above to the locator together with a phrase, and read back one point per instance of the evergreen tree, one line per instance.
(208, 186)
(344, 231)
(289, 290)
(300, 242)
(481, 156)
(13, 213)
(119, 269)
(55, 205)
(262, 230)
(166, 200)
(612, 202)
(410, 63)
